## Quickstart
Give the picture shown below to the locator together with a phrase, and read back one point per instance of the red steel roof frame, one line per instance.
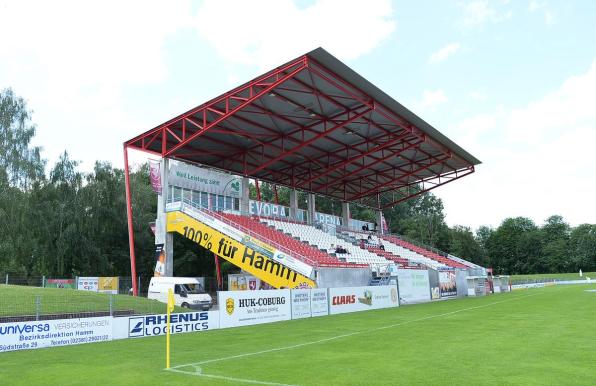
(316, 125)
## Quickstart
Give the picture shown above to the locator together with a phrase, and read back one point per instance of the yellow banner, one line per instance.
(108, 284)
(266, 269)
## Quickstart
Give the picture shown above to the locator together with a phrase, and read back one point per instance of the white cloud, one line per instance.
(482, 11)
(430, 99)
(444, 53)
(72, 60)
(536, 6)
(477, 95)
(538, 160)
(243, 32)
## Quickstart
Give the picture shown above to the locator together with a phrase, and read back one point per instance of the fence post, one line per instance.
(43, 281)
(139, 285)
(37, 307)
(6, 279)
(111, 305)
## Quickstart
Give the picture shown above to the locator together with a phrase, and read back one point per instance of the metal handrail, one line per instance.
(259, 236)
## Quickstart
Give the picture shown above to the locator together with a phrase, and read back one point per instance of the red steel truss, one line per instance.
(315, 125)
(305, 126)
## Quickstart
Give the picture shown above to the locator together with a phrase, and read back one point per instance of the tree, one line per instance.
(20, 164)
(582, 248)
(20, 167)
(555, 236)
(515, 246)
(463, 244)
(426, 221)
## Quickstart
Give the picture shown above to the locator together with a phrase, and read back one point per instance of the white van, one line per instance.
(187, 292)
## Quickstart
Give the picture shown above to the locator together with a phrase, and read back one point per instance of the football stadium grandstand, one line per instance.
(314, 126)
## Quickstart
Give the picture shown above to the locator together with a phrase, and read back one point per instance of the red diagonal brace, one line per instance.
(356, 157)
(308, 142)
(400, 178)
(255, 96)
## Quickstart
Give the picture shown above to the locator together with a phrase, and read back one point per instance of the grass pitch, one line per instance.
(552, 276)
(538, 336)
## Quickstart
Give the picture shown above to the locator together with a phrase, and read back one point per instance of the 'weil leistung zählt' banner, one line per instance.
(206, 180)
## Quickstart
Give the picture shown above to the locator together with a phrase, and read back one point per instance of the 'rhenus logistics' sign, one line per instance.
(206, 180)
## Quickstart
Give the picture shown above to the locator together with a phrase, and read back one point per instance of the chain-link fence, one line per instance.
(22, 298)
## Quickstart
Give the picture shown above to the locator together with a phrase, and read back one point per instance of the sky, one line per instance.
(512, 82)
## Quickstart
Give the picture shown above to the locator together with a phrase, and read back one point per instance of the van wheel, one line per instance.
(185, 305)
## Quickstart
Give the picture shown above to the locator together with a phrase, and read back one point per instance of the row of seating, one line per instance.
(445, 261)
(327, 242)
(411, 256)
(301, 251)
(317, 247)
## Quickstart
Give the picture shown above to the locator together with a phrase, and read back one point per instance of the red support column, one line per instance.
(131, 237)
(258, 190)
(218, 272)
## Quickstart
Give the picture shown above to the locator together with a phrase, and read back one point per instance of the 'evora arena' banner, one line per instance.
(239, 254)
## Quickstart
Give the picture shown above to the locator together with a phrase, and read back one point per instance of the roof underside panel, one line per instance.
(303, 126)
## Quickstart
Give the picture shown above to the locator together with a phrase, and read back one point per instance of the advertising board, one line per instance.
(319, 302)
(88, 284)
(301, 303)
(251, 242)
(61, 283)
(447, 284)
(205, 180)
(268, 209)
(153, 325)
(352, 299)
(248, 259)
(414, 286)
(108, 285)
(245, 308)
(240, 282)
(52, 333)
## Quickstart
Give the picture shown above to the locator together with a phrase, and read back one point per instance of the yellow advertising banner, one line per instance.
(108, 284)
(239, 254)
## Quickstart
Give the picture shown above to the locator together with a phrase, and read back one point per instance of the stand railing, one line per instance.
(215, 215)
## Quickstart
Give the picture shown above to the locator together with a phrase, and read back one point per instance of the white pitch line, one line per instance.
(240, 380)
(345, 335)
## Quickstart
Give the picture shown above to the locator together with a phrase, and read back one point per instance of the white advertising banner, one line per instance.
(245, 308)
(205, 180)
(152, 325)
(319, 303)
(352, 299)
(414, 286)
(301, 303)
(328, 219)
(88, 283)
(267, 209)
(52, 333)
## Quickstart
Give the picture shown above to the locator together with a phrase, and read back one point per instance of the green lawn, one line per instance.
(552, 276)
(21, 300)
(531, 337)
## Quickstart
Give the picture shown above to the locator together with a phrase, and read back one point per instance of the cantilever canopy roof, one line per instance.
(316, 125)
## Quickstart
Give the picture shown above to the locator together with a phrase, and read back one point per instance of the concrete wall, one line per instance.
(343, 277)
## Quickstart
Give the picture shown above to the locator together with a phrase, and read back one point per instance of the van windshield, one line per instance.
(192, 288)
